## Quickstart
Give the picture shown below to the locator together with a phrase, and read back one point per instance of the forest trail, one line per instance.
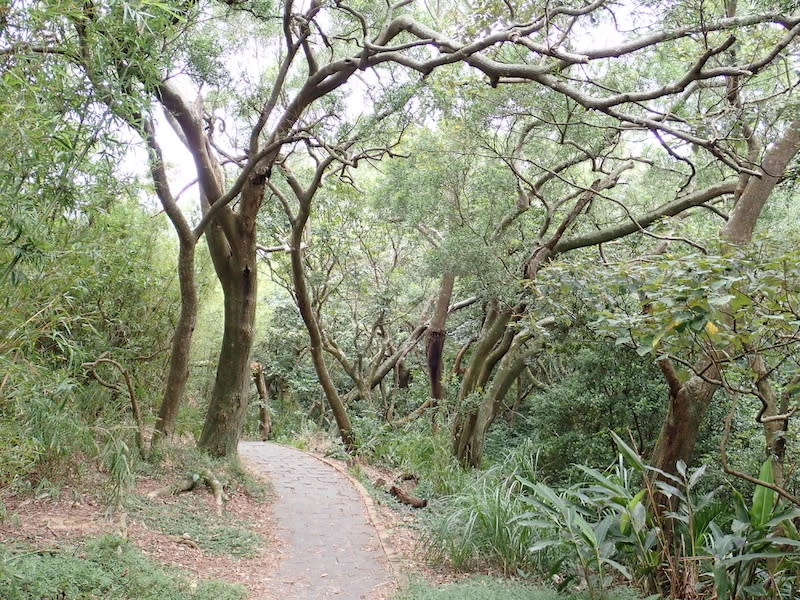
(330, 547)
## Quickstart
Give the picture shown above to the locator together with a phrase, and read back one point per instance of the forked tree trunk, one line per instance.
(471, 440)
(469, 425)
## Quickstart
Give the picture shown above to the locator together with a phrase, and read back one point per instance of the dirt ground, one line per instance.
(47, 523)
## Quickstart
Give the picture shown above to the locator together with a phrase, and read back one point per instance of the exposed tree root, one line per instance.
(191, 483)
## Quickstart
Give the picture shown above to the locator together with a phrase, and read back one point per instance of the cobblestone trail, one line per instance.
(330, 549)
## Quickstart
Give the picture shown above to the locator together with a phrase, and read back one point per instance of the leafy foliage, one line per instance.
(80, 300)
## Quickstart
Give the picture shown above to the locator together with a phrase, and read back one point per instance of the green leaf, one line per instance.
(631, 456)
(763, 497)
(542, 545)
(695, 476)
(622, 570)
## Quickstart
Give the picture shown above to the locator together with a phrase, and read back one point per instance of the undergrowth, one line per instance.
(182, 517)
(474, 528)
(487, 588)
(413, 448)
(107, 567)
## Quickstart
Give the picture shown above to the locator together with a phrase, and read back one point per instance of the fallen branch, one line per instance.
(406, 498)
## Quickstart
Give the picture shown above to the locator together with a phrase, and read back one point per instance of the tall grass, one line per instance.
(476, 527)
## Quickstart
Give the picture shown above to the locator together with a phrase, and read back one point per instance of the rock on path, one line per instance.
(330, 548)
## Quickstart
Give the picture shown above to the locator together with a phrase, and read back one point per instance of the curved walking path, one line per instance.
(331, 548)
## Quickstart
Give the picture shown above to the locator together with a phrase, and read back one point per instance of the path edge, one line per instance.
(393, 557)
(388, 547)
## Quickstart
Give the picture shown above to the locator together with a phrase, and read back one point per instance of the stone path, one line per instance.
(330, 548)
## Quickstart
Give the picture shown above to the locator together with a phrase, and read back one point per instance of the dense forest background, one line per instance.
(500, 245)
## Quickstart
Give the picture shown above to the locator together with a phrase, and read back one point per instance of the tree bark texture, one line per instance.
(234, 256)
(688, 403)
(181, 347)
(775, 429)
(437, 334)
(739, 228)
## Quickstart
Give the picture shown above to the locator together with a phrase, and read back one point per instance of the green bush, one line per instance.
(96, 286)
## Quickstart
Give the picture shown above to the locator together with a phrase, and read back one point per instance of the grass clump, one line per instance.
(107, 567)
(477, 527)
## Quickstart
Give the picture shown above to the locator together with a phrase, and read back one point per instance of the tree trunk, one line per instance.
(688, 403)
(437, 333)
(689, 400)
(262, 387)
(775, 430)
(470, 439)
(181, 347)
(303, 300)
(471, 422)
(235, 266)
(739, 228)
(184, 330)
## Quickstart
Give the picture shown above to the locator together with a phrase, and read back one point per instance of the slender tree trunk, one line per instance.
(740, 227)
(228, 407)
(303, 300)
(181, 347)
(262, 386)
(182, 339)
(437, 333)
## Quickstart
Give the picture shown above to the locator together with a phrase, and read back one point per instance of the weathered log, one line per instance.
(406, 498)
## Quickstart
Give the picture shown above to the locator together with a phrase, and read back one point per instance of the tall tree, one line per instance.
(131, 55)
